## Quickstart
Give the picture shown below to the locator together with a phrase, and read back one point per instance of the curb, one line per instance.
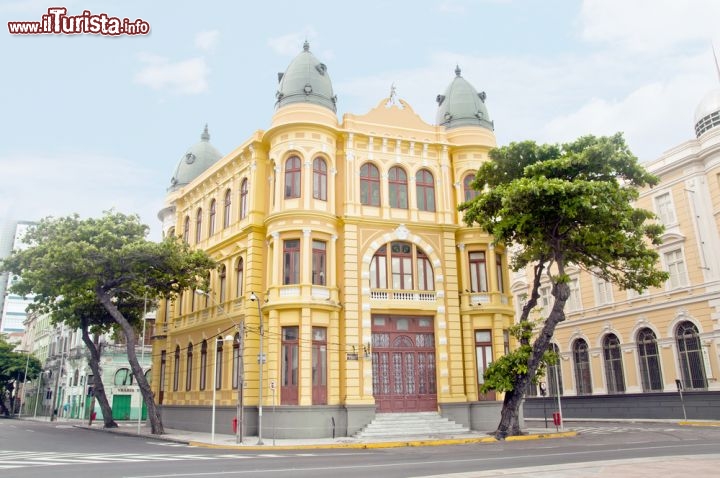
(392, 444)
(697, 423)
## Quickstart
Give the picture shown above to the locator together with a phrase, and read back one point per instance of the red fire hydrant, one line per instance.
(234, 425)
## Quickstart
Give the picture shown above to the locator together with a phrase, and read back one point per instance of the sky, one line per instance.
(90, 123)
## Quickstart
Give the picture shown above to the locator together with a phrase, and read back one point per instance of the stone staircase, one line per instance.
(410, 425)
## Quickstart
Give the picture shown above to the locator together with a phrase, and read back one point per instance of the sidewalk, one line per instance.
(224, 441)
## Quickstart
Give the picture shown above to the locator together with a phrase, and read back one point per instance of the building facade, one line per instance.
(633, 352)
(343, 262)
(12, 306)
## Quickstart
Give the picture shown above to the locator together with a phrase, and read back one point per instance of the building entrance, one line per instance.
(403, 354)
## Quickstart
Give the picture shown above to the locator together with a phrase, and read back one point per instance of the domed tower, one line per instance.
(195, 161)
(192, 164)
(462, 105)
(707, 113)
(305, 81)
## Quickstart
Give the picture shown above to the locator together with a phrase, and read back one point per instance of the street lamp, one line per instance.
(27, 362)
(261, 361)
(54, 398)
(240, 374)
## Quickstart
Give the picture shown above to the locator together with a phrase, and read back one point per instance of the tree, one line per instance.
(87, 314)
(110, 259)
(12, 373)
(558, 205)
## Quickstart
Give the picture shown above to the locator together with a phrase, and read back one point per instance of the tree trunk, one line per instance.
(509, 417)
(153, 412)
(98, 386)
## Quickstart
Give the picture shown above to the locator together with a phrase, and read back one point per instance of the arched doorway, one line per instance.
(403, 353)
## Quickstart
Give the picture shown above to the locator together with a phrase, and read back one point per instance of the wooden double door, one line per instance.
(404, 374)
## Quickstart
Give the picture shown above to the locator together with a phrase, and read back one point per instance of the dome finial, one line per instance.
(205, 136)
(306, 46)
(457, 70)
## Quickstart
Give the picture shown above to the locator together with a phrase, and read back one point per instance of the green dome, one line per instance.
(195, 161)
(305, 81)
(462, 105)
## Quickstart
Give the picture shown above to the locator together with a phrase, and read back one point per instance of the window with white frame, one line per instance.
(573, 302)
(675, 266)
(546, 298)
(603, 291)
(665, 209)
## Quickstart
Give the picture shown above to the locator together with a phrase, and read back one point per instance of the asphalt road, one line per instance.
(56, 450)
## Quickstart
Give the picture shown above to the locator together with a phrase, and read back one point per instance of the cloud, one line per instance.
(86, 184)
(291, 43)
(649, 25)
(207, 41)
(187, 77)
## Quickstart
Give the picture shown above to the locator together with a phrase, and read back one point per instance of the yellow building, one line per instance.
(346, 262)
(622, 353)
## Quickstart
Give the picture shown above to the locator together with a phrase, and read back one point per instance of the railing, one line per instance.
(404, 295)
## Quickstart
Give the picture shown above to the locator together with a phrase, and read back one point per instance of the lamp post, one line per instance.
(240, 375)
(54, 401)
(218, 341)
(261, 361)
(27, 362)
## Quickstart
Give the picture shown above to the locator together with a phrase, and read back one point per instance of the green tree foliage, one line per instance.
(560, 205)
(12, 373)
(79, 264)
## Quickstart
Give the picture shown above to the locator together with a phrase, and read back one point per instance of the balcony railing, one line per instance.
(403, 295)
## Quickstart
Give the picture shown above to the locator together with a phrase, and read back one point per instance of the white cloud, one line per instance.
(649, 25)
(183, 77)
(291, 43)
(36, 186)
(207, 41)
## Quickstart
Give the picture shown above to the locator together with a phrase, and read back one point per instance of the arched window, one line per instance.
(203, 364)
(213, 212)
(123, 377)
(369, 185)
(222, 279)
(239, 277)
(293, 173)
(425, 272)
(171, 232)
(401, 265)
(236, 361)
(189, 367)
(612, 356)
(186, 230)
(468, 191)
(690, 355)
(320, 179)
(176, 368)
(243, 198)
(218, 362)
(198, 225)
(554, 375)
(425, 187)
(398, 188)
(650, 372)
(407, 265)
(226, 210)
(378, 269)
(581, 360)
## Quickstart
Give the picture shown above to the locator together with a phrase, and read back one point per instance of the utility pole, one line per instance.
(239, 413)
(53, 415)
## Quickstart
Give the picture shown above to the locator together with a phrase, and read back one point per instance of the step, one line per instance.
(410, 424)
